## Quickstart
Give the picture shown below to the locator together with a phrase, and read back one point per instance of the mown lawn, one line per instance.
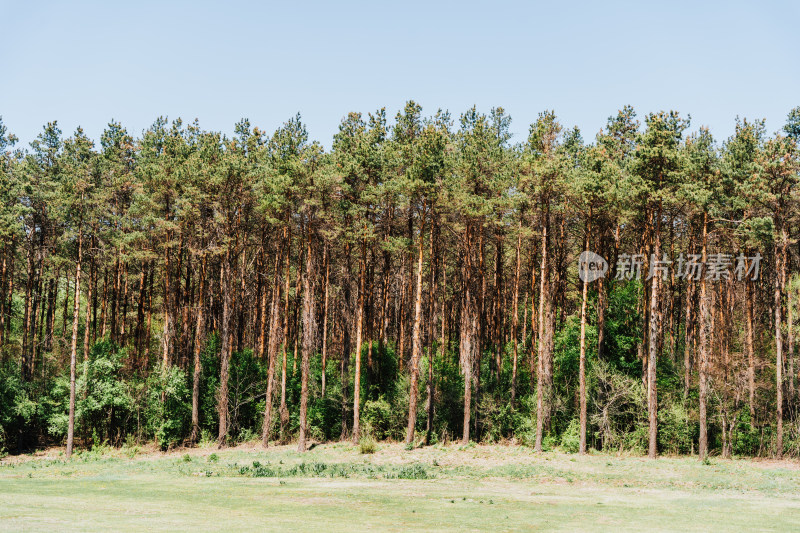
(335, 488)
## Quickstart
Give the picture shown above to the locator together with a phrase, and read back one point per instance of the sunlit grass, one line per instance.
(335, 487)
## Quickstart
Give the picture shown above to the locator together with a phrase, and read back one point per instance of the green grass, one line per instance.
(335, 488)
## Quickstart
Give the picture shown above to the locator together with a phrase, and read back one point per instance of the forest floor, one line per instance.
(333, 487)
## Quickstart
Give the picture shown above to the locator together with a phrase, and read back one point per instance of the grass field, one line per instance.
(335, 488)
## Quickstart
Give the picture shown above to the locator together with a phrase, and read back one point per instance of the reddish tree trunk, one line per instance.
(359, 333)
(703, 346)
(416, 337)
(74, 348)
(198, 347)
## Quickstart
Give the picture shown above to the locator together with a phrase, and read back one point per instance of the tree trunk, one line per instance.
(384, 324)
(74, 348)
(751, 368)
(309, 327)
(274, 340)
(790, 344)
(689, 342)
(296, 315)
(87, 319)
(703, 346)
(601, 316)
(359, 332)
(432, 322)
(104, 305)
(93, 275)
(262, 320)
(51, 313)
(7, 258)
(123, 316)
(515, 316)
(325, 319)
(284, 411)
(582, 363)
(27, 363)
(241, 293)
(140, 311)
(652, 347)
(167, 333)
(470, 327)
(149, 314)
(226, 344)
(498, 309)
(401, 317)
(198, 348)
(544, 306)
(416, 336)
(532, 358)
(186, 325)
(480, 339)
(780, 262)
(10, 292)
(344, 311)
(115, 296)
(65, 312)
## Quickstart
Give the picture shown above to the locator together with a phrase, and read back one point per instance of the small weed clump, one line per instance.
(258, 470)
(333, 470)
(413, 471)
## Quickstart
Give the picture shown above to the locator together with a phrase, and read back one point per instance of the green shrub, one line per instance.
(636, 441)
(746, 438)
(248, 377)
(674, 428)
(248, 435)
(377, 418)
(549, 442)
(525, 430)
(499, 418)
(367, 445)
(17, 409)
(104, 405)
(169, 406)
(571, 439)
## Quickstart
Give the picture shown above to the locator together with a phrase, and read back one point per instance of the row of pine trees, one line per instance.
(409, 248)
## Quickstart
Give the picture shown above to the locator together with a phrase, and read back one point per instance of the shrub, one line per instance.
(169, 406)
(674, 428)
(617, 413)
(746, 438)
(377, 418)
(17, 410)
(104, 403)
(367, 445)
(525, 431)
(570, 439)
(248, 376)
(499, 418)
(247, 435)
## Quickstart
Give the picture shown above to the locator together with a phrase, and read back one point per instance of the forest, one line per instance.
(417, 282)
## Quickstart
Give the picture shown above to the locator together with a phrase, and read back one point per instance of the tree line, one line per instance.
(418, 281)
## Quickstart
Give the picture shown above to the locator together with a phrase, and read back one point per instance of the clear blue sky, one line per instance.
(84, 63)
